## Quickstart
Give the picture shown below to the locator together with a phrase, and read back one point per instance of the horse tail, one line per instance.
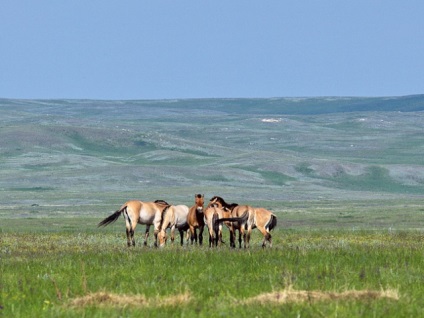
(215, 224)
(113, 217)
(272, 223)
(241, 219)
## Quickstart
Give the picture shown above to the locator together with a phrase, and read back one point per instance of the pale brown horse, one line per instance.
(212, 214)
(148, 213)
(236, 211)
(259, 218)
(265, 221)
(195, 218)
(173, 217)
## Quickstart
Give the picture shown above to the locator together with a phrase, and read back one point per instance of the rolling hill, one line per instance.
(69, 152)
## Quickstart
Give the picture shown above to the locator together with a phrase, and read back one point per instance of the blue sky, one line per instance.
(199, 49)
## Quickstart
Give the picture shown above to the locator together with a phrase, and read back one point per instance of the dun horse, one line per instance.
(173, 217)
(259, 218)
(195, 218)
(214, 217)
(236, 211)
(265, 221)
(212, 214)
(148, 213)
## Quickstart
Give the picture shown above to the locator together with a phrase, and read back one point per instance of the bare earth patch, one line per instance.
(290, 295)
(115, 300)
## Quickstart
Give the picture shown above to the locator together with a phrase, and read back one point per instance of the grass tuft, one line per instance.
(108, 299)
(290, 295)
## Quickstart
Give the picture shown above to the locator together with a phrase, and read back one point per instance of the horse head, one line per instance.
(162, 238)
(199, 200)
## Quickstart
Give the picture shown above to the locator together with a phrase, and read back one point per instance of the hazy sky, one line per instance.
(136, 49)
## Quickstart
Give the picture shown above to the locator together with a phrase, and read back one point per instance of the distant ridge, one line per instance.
(279, 105)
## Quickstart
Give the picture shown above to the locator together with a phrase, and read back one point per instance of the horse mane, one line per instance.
(162, 202)
(223, 203)
(162, 217)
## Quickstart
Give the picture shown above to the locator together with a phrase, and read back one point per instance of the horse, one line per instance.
(237, 211)
(195, 218)
(259, 218)
(211, 215)
(265, 221)
(174, 217)
(148, 213)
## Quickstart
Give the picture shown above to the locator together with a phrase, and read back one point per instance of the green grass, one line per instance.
(43, 272)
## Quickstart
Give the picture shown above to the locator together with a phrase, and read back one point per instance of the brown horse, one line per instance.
(148, 213)
(173, 217)
(195, 218)
(259, 218)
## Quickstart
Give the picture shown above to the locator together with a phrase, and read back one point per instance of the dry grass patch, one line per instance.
(115, 300)
(289, 295)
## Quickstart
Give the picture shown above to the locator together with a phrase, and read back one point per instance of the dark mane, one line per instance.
(163, 213)
(162, 202)
(223, 203)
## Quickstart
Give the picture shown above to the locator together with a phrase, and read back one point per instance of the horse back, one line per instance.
(181, 214)
(212, 214)
(150, 212)
(265, 218)
(133, 208)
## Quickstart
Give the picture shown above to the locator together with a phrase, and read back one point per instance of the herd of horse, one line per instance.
(163, 216)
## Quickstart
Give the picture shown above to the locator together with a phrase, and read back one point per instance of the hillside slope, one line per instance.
(73, 151)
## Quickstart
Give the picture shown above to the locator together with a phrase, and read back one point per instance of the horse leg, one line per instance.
(172, 234)
(181, 237)
(188, 236)
(195, 236)
(193, 233)
(146, 234)
(210, 240)
(249, 232)
(232, 236)
(130, 227)
(217, 238)
(220, 237)
(128, 236)
(232, 243)
(240, 239)
(201, 235)
(155, 233)
(267, 236)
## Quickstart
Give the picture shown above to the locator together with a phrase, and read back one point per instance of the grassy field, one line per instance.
(329, 259)
(344, 176)
(80, 271)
